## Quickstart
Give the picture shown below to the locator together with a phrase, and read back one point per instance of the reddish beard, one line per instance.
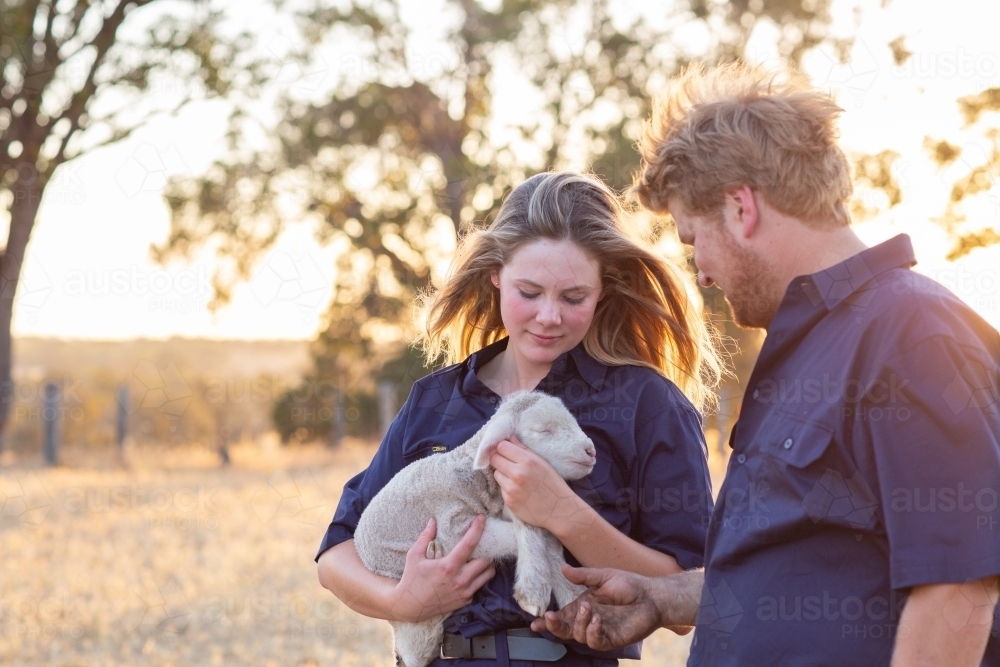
(752, 293)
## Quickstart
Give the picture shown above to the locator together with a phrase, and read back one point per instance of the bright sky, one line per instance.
(89, 275)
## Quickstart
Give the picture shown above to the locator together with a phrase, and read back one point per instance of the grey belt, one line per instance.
(522, 644)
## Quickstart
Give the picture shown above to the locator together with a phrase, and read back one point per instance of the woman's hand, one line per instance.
(531, 487)
(430, 587)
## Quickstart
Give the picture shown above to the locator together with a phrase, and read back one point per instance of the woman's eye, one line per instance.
(526, 295)
(576, 301)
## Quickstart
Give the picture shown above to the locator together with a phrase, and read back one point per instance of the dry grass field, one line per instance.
(176, 561)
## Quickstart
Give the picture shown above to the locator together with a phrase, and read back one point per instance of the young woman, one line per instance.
(556, 295)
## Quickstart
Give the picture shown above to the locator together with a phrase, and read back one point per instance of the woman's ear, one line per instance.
(495, 278)
(500, 427)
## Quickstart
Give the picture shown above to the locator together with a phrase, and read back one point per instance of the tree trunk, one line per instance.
(27, 197)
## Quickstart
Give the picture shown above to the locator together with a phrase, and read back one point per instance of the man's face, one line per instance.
(742, 274)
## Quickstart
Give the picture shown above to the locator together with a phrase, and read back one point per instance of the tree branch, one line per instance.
(102, 42)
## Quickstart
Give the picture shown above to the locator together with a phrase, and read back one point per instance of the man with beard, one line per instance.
(858, 523)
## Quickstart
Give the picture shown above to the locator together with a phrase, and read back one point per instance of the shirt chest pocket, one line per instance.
(804, 470)
(791, 463)
(795, 443)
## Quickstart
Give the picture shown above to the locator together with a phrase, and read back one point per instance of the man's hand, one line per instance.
(618, 610)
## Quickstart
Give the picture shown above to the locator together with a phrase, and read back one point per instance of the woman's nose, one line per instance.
(548, 313)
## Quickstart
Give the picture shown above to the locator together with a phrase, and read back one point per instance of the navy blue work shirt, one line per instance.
(865, 462)
(650, 481)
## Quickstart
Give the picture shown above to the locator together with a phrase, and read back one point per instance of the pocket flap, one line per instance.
(798, 443)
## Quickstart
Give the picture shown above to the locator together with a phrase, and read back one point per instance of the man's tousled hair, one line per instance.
(714, 130)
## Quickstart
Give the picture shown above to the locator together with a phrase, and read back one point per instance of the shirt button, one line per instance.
(464, 619)
(756, 393)
(742, 458)
(493, 400)
(787, 444)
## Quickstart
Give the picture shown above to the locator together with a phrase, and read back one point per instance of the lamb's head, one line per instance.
(544, 425)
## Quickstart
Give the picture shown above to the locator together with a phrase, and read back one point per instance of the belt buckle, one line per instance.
(458, 645)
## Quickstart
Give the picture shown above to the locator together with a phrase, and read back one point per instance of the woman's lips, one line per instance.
(543, 339)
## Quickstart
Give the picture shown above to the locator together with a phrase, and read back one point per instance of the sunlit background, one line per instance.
(90, 274)
(220, 302)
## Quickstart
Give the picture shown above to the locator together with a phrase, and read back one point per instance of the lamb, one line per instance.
(456, 486)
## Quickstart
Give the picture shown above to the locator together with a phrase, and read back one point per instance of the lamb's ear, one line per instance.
(500, 427)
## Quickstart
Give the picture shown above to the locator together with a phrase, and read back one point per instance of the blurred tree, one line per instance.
(981, 171)
(78, 75)
(404, 155)
(978, 162)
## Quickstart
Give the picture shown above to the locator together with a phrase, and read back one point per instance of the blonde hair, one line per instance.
(736, 125)
(645, 317)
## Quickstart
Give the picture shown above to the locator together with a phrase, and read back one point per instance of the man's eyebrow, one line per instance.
(537, 286)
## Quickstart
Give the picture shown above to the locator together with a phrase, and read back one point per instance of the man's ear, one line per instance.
(501, 427)
(744, 203)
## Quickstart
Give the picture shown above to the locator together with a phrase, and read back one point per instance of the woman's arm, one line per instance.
(427, 588)
(536, 494)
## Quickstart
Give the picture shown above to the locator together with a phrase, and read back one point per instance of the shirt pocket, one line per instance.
(810, 478)
(796, 443)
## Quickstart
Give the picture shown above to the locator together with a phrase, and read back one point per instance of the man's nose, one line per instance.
(704, 280)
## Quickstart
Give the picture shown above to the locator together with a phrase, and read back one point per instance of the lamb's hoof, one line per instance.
(532, 606)
(435, 550)
(534, 611)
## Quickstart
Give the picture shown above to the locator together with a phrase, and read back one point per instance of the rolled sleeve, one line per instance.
(939, 468)
(674, 500)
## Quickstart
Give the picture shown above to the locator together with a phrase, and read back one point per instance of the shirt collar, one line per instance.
(575, 363)
(850, 278)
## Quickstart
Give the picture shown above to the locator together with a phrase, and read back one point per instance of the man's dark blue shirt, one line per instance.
(865, 462)
(651, 479)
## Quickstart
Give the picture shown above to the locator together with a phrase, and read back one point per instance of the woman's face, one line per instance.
(548, 293)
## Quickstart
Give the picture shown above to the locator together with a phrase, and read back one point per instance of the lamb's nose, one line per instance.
(591, 452)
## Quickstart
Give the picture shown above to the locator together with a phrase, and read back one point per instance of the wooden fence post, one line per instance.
(121, 420)
(50, 417)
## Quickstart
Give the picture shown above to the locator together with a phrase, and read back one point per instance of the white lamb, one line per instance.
(454, 488)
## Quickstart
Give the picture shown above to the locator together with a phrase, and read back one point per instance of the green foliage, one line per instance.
(981, 173)
(401, 158)
(76, 75)
(875, 172)
(320, 408)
